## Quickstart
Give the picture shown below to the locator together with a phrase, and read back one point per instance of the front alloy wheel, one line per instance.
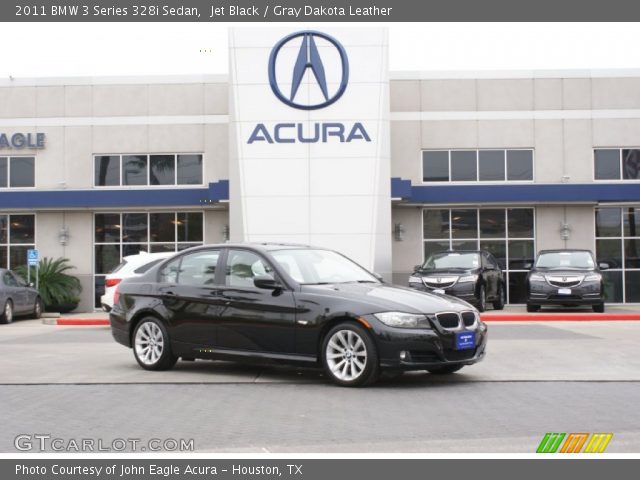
(37, 309)
(151, 345)
(349, 355)
(7, 313)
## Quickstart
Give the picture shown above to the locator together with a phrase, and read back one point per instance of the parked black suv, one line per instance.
(472, 275)
(565, 277)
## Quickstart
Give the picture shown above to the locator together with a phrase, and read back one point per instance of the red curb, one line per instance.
(82, 321)
(560, 317)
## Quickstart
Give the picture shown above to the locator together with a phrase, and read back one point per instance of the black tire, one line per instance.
(599, 308)
(7, 312)
(445, 369)
(338, 340)
(498, 304)
(532, 308)
(152, 345)
(38, 308)
(482, 299)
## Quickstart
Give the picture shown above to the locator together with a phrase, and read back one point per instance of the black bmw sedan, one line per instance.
(294, 304)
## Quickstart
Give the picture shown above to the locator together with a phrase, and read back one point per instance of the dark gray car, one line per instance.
(567, 278)
(17, 297)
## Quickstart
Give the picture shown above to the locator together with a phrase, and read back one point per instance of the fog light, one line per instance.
(404, 355)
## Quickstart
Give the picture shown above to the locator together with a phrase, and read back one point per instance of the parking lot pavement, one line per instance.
(34, 353)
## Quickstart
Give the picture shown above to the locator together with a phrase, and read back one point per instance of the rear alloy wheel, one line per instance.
(482, 299)
(599, 308)
(532, 308)
(502, 299)
(7, 313)
(349, 356)
(37, 309)
(151, 345)
(444, 370)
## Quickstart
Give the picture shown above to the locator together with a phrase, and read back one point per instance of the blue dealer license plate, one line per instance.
(465, 340)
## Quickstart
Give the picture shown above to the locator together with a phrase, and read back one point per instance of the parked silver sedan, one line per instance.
(17, 297)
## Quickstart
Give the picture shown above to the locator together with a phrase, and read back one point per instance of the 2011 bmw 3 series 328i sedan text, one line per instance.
(294, 304)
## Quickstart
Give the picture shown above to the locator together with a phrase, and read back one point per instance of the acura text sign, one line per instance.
(19, 141)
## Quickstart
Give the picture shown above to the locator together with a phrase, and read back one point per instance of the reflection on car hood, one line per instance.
(378, 297)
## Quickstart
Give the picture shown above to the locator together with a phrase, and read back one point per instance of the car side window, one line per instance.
(9, 280)
(169, 273)
(485, 261)
(199, 268)
(242, 267)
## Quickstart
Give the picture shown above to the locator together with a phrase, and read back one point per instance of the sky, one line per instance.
(99, 49)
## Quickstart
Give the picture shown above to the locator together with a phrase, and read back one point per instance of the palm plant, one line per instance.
(56, 287)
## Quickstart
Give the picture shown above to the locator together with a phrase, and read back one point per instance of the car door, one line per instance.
(26, 293)
(254, 319)
(190, 295)
(17, 294)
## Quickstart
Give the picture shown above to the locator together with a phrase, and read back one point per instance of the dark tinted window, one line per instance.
(107, 227)
(519, 165)
(147, 266)
(520, 222)
(162, 227)
(608, 222)
(107, 257)
(134, 227)
(463, 166)
(631, 218)
(163, 169)
(134, 170)
(189, 169)
(190, 227)
(435, 224)
(435, 166)
(630, 164)
(464, 223)
(22, 229)
(491, 163)
(107, 170)
(3, 172)
(607, 164)
(492, 223)
(22, 172)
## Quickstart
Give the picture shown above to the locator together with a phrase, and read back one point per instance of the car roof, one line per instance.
(559, 250)
(263, 246)
(462, 251)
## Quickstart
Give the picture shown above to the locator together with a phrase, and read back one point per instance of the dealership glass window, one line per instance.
(485, 165)
(120, 234)
(146, 169)
(464, 164)
(435, 166)
(17, 235)
(17, 172)
(616, 164)
(618, 245)
(508, 233)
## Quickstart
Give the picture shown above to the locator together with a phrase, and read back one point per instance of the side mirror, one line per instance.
(603, 266)
(417, 267)
(527, 266)
(267, 282)
(30, 284)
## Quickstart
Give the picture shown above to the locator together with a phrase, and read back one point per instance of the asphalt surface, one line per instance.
(76, 382)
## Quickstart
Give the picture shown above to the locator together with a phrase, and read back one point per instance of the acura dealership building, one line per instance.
(310, 139)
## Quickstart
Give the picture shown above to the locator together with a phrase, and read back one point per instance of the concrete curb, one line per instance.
(80, 322)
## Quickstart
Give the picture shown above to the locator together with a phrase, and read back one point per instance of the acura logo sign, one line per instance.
(309, 60)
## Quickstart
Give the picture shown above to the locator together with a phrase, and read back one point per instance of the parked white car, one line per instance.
(131, 266)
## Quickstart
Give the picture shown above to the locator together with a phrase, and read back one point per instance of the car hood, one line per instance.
(561, 272)
(445, 271)
(373, 298)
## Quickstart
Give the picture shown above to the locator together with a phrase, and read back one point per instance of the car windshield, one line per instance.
(452, 260)
(580, 260)
(318, 267)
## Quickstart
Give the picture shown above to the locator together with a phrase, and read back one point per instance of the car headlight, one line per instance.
(468, 278)
(536, 277)
(403, 320)
(413, 279)
(593, 277)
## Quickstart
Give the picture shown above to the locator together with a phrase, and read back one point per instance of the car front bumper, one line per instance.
(584, 294)
(421, 349)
